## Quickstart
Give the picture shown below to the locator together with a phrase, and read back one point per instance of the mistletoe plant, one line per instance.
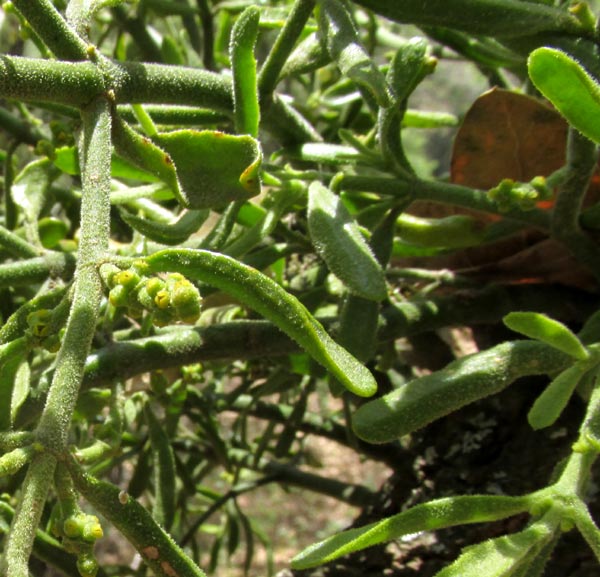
(172, 168)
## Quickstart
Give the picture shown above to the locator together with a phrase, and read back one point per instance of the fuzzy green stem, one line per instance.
(582, 158)
(442, 192)
(144, 119)
(283, 46)
(500, 18)
(77, 84)
(56, 417)
(36, 270)
(49, 80)
(95, 150)
(52, 28)
(46, 548)
(16, 245)
(23, 529)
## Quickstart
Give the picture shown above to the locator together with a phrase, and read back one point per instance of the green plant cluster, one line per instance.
(213, 220)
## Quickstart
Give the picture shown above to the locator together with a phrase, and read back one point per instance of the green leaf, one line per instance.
(325, 153)
(542, 328)
(30, 191)
(551, 403)
(456, 231)
(51, 231)
(171, 233)
(463, 381)
(20, 390)
(500, 18)
(11, 462)
(430, 516)
(204, 169)
(213, 168)
(11, 357)
(67, 161)
(407, 69)
(156, 547)
(164, 471)
(338, 241)
(500, 557)
(565, 83)
(343, 43)
(269, 299)
(243, 66)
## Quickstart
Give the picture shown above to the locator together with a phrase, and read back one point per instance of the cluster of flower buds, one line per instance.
(79, 532)
(509, 194)
(168, 299)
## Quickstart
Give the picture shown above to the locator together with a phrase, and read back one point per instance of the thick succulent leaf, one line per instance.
(550, 404)
(265, 296)
(542, 328)
(501, 557)
(337, 239)
(344, 46)
(565, 83)
(213, 168)
(430, 516)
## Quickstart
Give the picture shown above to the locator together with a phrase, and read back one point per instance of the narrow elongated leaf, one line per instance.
(155, 546)
(430, 516)
(243, 66)
(266, 297)
(588, 528)
(543, 328)
(11, 356)
(550, 404)
(340, 244)
(343, 44)
(167, 233)
(20, 390)
(463, 381)
(29, 192)
(500, 557)
(499, 18)
(164, 471)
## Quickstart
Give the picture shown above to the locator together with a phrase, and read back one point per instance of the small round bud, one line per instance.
(127, 278)
(87, 565)
(162, 299)
(72, 527)
(92, 530)
(118, 296)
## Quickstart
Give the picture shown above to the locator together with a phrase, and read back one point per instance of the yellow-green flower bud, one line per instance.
(87, 565)
(162, 299)
(127, 278)
(118, 296)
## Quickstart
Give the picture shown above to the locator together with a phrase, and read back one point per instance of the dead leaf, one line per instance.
(507, 135)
